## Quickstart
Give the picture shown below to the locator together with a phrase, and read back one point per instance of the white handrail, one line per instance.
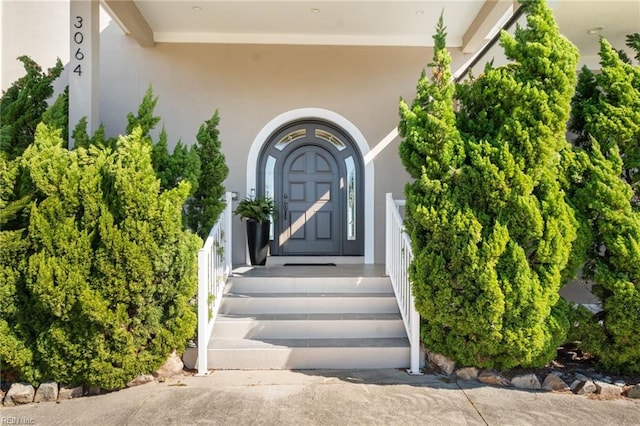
(398, 256)
(214, 266)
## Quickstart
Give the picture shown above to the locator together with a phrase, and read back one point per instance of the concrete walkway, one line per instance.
(367, 397)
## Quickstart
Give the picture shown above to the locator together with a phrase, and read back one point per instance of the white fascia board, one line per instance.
(299, 39)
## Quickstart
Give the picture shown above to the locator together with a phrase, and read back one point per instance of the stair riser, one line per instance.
(309, 358)
(316, 329)
(311, 285)
(308, 305)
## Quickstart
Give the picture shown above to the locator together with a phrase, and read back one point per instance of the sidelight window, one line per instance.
(351, 198)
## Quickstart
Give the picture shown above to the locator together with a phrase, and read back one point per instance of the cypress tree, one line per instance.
(22, 106)
(607, 108)
(57, 115)
(606, 118)
(171, 168)
(145, 120)
(206, 204)
(102, 288)
(491, 231)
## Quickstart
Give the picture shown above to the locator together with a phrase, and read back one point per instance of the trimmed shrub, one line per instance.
(101, 291)
(491, 231)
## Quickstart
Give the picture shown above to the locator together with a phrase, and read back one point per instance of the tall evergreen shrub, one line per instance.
(22, 106)
(97, 289)
(607, 108)
(605, 184)
(206, 204)
(491, 231)
(171, 168)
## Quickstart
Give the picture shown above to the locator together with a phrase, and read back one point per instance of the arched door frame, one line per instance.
(263, 136)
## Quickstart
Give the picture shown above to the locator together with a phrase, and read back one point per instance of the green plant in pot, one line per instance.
(257, 211)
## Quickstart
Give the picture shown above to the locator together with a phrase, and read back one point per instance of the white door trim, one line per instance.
(319, 113)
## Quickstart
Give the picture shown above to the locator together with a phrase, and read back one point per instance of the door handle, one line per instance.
(285, 207)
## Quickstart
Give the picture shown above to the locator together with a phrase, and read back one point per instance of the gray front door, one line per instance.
(311, 210)
(314, 172)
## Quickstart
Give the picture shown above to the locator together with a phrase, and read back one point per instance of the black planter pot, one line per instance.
(258, 240)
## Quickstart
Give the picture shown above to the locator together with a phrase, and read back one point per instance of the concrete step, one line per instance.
(308, 303)
(310, 284)
(317, 317)
(310, 326)
(245, 354)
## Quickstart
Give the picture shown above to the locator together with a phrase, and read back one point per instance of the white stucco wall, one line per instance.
(249, 84)
(252, 84)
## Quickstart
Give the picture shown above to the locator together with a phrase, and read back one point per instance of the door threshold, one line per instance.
(338, 260)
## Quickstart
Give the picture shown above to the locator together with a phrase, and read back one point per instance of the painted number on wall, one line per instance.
(78, 38)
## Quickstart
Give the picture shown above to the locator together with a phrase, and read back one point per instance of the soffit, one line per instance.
(332, 22)
(616, 17)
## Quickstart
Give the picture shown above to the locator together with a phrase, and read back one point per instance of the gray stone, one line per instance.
(19, 393)
(491, 377)
(141, 379)
(582, 377)
(601, 378)
(172, 366)
(554, 383)
(574, 385)
(47, 392)
(91, 390)
(69, 392)
(620, 383)
(441, 362)
(634, 392)
(607, 389)
(583, 387)
(526, 381)
(467, 373)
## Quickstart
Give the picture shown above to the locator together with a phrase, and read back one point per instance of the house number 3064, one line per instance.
(78, 38)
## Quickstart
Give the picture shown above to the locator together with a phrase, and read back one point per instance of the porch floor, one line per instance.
(294, 269)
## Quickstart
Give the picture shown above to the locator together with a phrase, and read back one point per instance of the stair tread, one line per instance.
(308, 294)
(249, 344)
(311, 317)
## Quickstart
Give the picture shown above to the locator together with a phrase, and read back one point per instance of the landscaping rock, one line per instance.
(467, 373)
(554, 383)
(441, 362)
(91, 390)
(526, 381)
(172, 366)
(607, 389)
(634, 392)
(491, 377)
(141, 379)
(582, 377)
(601, 378)
(583, 387)
(19, 393)
(47, 392)
(69, 392)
